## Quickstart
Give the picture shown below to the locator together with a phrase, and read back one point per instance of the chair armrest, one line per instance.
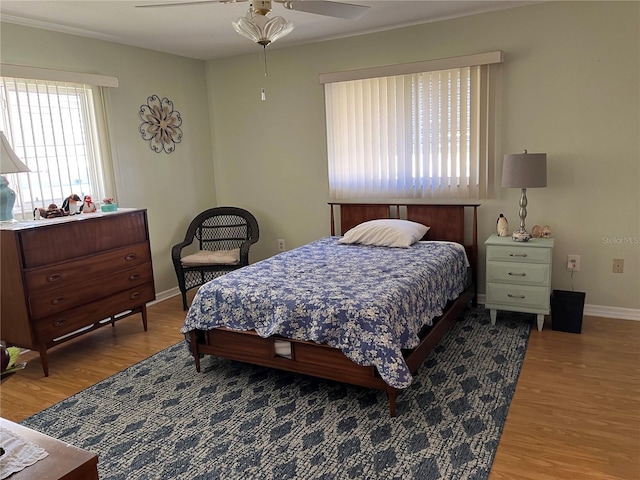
(244, 252)
(176, 251)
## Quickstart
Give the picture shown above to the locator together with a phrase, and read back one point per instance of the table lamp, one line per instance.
(9, 163)
(524, 170)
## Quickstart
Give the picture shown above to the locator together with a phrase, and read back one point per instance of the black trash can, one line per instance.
(566, 310)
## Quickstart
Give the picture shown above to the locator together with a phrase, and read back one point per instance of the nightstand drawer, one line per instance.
(515, 253)
(518, 296)
(518, 273)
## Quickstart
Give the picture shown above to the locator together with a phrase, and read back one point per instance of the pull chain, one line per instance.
(264, 49)
(266, 73)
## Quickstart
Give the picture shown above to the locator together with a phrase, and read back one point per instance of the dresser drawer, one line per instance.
(51, 328)
(529, 297)
(61, 299)
(518, 254)
(518, 273)
(64, 274)
(82, 236)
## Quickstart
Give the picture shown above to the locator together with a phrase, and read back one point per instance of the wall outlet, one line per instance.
(281, 245)
(618, 265)
(573, 263)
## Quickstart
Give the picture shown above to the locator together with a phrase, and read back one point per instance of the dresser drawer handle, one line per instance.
(130, 256)
(57, 301)
(134, 276)
(59, 322)
(54, 277)
(510, 295)
(521, 274)
(518, 255)
(134, 295)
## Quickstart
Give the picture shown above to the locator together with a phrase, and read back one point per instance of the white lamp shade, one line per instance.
(524, 170)
(9, 161)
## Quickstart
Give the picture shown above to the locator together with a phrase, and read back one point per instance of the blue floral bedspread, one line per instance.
(370, 302)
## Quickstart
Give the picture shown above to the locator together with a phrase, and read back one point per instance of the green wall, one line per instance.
(570, 87)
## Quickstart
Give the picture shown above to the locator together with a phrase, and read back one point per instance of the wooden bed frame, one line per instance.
(447, 222)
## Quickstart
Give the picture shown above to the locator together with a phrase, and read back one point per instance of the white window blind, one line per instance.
(58, 130)
(415, 135)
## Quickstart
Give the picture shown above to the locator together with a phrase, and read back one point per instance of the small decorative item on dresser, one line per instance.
(52, 211)
(70, 204)
(546, 231)
(87, 205)
(503, 226)
(108, 205)
(536, 231)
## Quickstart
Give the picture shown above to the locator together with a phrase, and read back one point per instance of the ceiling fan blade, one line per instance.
(179, 4)
(330, 9)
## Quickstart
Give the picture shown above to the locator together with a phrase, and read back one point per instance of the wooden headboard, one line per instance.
(446, 221)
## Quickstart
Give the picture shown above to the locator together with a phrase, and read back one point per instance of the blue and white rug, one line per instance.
(160, 419)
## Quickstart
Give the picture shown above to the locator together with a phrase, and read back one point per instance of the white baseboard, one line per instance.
(598, 311)
(165, 295)
(612, 312)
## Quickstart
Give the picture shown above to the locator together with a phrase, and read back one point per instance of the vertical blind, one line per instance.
(415, 135)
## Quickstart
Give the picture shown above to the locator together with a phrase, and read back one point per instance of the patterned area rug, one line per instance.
(160, 419)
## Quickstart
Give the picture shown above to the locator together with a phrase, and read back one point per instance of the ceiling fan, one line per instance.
(262, 30)
(320, 7)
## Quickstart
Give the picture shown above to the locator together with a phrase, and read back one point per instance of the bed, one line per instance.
(306, 310)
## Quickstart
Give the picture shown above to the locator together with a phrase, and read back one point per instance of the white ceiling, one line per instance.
(204, 31)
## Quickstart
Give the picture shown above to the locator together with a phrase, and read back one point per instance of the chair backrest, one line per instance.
(223, 228)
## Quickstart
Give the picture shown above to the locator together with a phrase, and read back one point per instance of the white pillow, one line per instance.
(386, 233)
(208, 257)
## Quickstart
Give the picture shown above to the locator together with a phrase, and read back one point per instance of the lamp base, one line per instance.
(7, 200)
(521, 235)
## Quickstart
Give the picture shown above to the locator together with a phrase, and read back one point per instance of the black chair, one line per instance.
(223, 235)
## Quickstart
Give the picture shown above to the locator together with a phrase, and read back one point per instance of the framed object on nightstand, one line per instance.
(519, 276)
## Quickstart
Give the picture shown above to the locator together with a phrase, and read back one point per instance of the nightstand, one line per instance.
(519, 276)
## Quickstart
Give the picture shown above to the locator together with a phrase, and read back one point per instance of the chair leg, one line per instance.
(184, 301)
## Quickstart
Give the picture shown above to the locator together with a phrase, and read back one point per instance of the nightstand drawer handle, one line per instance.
(57, 301)
(130, 256)
(134, 276)
(134, 295)
(59, 322)
(54, 277)
(517, 254)
(515, 296)
(521, 274)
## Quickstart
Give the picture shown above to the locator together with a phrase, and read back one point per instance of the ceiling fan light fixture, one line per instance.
(260, 29)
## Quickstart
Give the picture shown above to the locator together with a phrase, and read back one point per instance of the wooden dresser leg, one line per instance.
(44, 360)
(144, 316)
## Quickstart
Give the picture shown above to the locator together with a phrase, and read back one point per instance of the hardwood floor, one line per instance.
(575, 413)
(84, 361)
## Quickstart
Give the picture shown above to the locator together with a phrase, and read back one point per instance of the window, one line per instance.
(411, 131)
(57, 129)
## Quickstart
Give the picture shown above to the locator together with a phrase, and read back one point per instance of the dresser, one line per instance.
(64, 277)
(519, 276)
